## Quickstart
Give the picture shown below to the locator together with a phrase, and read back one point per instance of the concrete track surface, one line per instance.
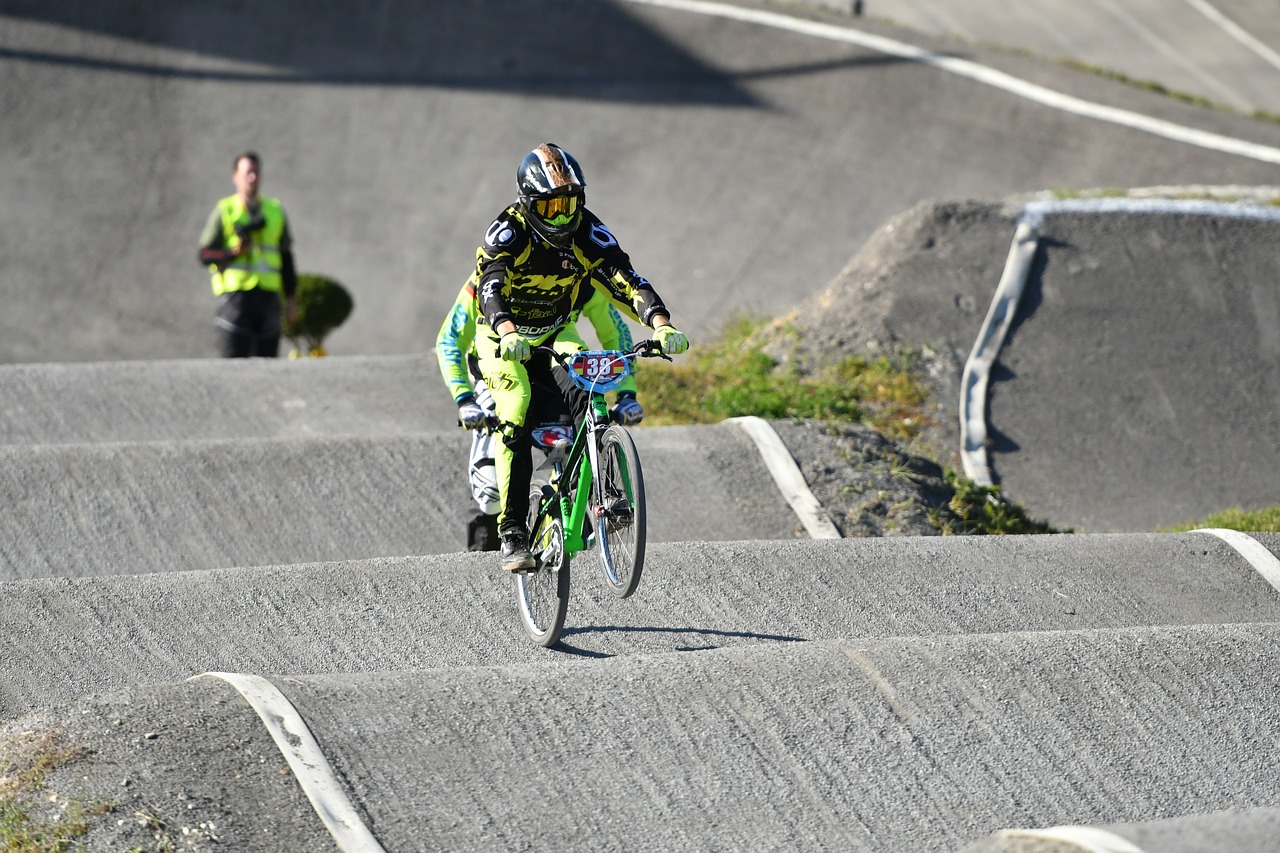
(172, 516)
(63, 638)
(755, 694)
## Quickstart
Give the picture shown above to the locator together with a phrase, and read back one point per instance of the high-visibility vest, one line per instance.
(261, 267)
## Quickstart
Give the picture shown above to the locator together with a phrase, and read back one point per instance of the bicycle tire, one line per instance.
(542, 596)
(619, 511)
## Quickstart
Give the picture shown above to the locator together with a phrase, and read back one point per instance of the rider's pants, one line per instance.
(516, 387)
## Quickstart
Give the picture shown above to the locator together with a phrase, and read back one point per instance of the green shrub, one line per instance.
(323, 305)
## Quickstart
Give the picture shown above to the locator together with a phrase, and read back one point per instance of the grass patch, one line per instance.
(1061, 193)
(32, 818)
(1265, 520)
(975, 509)
(735, 376)
(1148, 85)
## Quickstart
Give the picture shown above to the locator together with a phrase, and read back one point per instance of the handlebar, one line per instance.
(647, 348)
(600, 371)
(641, 349)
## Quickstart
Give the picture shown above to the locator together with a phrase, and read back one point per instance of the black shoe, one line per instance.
(515, 553)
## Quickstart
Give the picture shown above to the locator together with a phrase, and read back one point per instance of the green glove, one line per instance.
(671, 339)
(512, 347)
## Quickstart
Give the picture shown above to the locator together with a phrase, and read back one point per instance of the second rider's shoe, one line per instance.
(515, 553)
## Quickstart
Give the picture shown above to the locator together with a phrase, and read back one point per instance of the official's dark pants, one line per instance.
(248, 324)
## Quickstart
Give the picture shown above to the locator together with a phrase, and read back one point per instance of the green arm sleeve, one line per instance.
(611, 329)
(454, 342)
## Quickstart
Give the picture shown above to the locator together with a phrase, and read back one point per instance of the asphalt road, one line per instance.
(740, 165)
(1226, 51)
(167, 516)
(1136, 389)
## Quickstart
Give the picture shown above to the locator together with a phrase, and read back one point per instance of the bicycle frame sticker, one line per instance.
(599, 371)
(546, 435)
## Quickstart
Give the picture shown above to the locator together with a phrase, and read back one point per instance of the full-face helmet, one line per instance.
(552, 192)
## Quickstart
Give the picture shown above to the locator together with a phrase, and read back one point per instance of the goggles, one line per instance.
(557, 210)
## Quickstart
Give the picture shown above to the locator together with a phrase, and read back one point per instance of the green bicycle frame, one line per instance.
(572, 477)
(582, 459)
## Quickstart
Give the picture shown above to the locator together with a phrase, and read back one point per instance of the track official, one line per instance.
(247, 246)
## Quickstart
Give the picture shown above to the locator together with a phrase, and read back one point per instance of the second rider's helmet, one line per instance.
(552, 192)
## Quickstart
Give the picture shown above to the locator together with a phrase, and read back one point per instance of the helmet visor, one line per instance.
(557, 210)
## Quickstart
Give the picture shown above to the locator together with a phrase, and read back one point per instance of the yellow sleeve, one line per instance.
(454, 342)
(611, 329)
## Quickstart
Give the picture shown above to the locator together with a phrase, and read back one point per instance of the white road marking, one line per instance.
(1087, 838)
(986, 349)
(981, 74)
(1177, 57)
(790, 480)
(1258, 555)
(1236, 31)
(306, 760)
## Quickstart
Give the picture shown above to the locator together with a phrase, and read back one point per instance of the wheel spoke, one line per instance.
(543, 595)
(619, 501)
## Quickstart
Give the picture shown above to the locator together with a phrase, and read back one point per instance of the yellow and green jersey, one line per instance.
(522, 278)
(455, 342)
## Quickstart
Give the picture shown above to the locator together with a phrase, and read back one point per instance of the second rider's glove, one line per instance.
(512, 347)
(671, 339)
(470, 415)
(627, 410)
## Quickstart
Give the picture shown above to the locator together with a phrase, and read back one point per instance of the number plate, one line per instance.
(598, 367)
(598, 371)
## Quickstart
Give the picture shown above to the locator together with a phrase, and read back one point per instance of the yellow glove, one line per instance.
(512, 347)
(671, 339)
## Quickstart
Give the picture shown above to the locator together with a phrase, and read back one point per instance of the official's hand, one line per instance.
(627, 410)
(470, 414)
(671, 339)
(244, 229)
(512, 347)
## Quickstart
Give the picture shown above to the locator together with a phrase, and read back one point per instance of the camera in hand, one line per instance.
(244, 229)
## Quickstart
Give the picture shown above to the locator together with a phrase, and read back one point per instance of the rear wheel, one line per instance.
(543, 595)
(619, 511)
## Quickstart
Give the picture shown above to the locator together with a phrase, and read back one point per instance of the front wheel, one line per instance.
(619, 511)
(543, 595)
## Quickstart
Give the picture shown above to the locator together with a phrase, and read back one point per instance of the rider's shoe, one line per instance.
(515, 552)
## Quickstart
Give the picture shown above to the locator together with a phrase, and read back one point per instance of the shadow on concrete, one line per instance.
(504, 45)
(707, 632)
